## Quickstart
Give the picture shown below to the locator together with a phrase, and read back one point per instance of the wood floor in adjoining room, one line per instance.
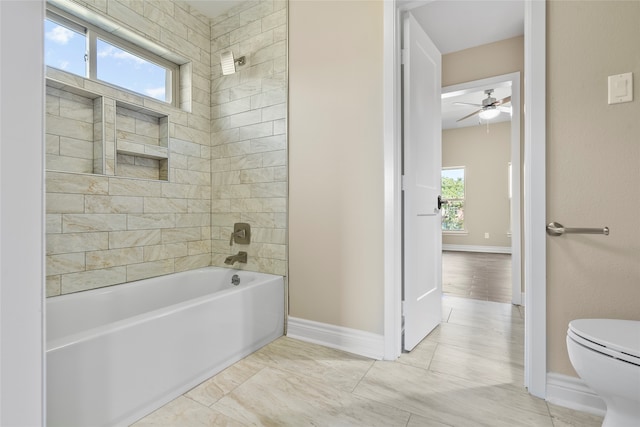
(477, 275)
(467, 372)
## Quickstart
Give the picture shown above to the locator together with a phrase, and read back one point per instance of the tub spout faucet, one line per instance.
(240, 257)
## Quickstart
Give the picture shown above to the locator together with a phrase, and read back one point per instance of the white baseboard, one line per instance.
(471, 248)
(571, 392)
(351, 340)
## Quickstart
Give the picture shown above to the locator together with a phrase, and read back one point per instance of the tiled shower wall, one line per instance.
(248, 142)
(104, 229)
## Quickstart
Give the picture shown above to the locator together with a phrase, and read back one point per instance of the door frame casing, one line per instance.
(534, 191)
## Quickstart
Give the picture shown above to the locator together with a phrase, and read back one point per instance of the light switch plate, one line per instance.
(620, 88)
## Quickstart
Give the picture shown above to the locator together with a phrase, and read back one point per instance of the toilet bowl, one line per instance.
(606, 355)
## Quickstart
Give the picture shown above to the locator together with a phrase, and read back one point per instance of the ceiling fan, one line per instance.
(490, 107)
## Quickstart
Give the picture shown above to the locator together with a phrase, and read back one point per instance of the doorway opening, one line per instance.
(488, 242)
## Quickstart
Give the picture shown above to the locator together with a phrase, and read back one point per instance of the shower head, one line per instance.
(228, 63)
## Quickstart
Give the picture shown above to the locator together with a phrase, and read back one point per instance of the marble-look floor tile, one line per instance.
(451, 400)
(183, 412)
(478, 365)
(418, 421)
(226, 381)
(342, 370)
(421, 355)
(478, 338)
(509, 326)
(278, 398)
(565, 417)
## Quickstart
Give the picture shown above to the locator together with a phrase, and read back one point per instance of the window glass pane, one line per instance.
(453, 194)
(64, 48)
(124, 69)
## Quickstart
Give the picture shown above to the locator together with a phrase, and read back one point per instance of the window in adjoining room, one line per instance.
(453, 190)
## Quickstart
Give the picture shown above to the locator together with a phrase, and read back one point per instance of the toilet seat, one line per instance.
(619, 339)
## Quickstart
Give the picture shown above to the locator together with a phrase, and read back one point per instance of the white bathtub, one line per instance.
(115, 354)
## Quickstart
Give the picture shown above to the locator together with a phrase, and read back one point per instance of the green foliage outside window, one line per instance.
(453, 195)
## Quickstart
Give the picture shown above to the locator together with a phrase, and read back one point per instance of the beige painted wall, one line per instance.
(485, 156)
(336, 163)
(593, 167)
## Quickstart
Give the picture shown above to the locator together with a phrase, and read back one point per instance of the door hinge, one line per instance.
(403, 182)
(403, 56)
(403, 308)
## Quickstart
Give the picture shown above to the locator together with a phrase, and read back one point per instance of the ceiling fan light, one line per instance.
(489, 113)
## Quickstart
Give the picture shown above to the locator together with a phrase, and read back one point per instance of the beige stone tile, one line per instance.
(53, 286)
(186, 191)
(69, 164)
(113, 258)
(149, 269)
(275, 158)
(76, 242)
(183, 234)
(479, 365)
(164, 251)
(76, 148)
(53, 223)
(339, 369)
(448, 399)
(64, 203)
(150, 221)
(418, 421)
(193, 220)
(218, 386)
(72, 223)
(183, 412)
(420, 356)
(565, 417)
(192, 262)
(269, 143)
(277, 398)
(126, 239)
(85, 280)
(69, 128)
(113, 204)
(65, 263)
(478, 338)
(134, 187)
(60, 182)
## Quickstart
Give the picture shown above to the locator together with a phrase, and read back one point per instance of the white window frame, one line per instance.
(93, 33)
(464, 201)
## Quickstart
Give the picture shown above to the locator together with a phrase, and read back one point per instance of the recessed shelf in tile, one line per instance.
(74, 129)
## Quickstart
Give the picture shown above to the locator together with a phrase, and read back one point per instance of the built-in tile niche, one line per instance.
(74, 129)
(142, 143)
(91, 133)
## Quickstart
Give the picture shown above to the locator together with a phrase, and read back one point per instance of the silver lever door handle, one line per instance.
(557, 229)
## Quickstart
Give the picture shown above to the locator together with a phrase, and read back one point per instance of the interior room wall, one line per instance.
(336, 163)
(102, 229)
(593, 167)
(249, 134)
(485, 156)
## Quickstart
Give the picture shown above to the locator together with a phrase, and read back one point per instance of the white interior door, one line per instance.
(422, 158)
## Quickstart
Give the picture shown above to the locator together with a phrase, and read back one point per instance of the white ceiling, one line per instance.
(213, 8)
(455, 25)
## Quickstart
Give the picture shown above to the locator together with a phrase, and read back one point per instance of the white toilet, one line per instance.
(606, 355)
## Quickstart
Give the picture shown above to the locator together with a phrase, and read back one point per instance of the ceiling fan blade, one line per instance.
(503, 101)
(469, 115)
(467, 104)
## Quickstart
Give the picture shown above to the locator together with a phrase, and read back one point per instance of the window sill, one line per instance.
(455, 233)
